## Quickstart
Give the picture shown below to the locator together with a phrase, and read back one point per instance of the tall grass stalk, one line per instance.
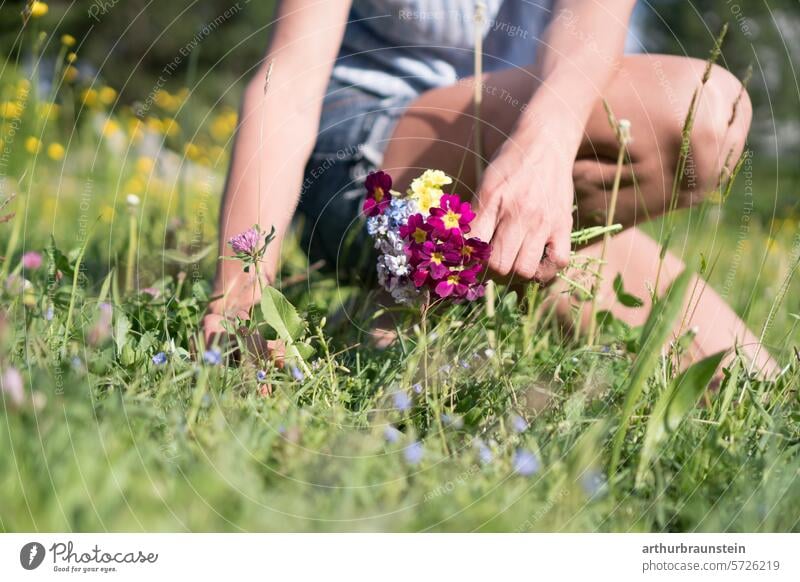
(683, 154)
(623, 133)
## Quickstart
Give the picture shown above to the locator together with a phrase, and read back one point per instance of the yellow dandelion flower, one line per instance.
(39, 9)
(192, 151)
(89, 97)
(10, 110)
(134, 185)
(48, 111)
(68, 40)
(171, 127)
(55, 151)
(33, 145)
(107, 95)
(110, 127)
(154, 124)
(145, 165)
(71, 58)
(106, 214)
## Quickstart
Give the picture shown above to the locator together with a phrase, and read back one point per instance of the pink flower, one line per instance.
(452, 217)
(31, 261)
(246, 243)
(459, 283)
(435, 258)
(379, 185)
(472, 249)
(11, 383)
(416, 231)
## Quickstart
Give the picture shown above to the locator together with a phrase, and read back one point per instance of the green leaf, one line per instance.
(280, 315)
(106, 287)
(626, 299)
(655, 333)
(181, 258)
(121, 328)
(674, 404)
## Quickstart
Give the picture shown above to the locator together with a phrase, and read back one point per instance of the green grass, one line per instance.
(107, 440)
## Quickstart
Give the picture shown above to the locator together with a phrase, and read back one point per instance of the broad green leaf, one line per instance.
(623, 297)
(655, 333)
(280, 315)
(674, 404)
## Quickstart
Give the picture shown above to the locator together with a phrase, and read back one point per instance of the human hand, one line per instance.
(525, 210)
(217, 331)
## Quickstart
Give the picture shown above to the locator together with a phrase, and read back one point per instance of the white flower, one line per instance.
(132, 200)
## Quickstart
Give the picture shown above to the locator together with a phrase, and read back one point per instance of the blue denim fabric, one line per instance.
(354, 130)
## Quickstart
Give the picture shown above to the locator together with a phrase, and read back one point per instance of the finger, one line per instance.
(559, 247)
(555, 258)
(484, 224)
(506, 243)
(529, 259)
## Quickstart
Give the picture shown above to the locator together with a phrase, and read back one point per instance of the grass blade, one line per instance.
(673, 405)
(654, 335)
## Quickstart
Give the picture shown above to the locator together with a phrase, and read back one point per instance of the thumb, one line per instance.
(485, 222)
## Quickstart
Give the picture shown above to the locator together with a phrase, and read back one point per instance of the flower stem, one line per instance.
(623, 135)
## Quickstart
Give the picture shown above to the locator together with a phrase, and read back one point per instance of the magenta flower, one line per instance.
(459, 283)
(472, 249)
(416, 230)
(31, 261)
(379, 185)
(437, 258)
(246, 243)
(452, 217)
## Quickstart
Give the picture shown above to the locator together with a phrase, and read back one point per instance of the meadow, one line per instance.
(112, 418)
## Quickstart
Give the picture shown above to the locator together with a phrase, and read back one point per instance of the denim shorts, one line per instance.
(355, 128)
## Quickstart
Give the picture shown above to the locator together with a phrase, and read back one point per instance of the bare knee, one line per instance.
(721, 124)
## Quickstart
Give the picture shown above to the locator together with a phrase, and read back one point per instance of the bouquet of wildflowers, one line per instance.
(422, 239)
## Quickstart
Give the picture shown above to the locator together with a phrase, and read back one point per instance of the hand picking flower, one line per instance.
(422, 239)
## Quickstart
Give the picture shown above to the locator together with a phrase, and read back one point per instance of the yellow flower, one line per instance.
(33, 145)
(107, 95)
(436, 178)
(55, 151)
(171, 127)
(67, 40)
(48, 111)
(70, 74)
(192, 151)
(166, 101)
(134, 185)
(10, 110)
(38, 9)
(71, 57)
(154, 124)
(144, 165)
(110, 127)
(427, 189)
(90, 97)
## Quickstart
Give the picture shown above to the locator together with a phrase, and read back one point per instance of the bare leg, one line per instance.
(654, 93)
